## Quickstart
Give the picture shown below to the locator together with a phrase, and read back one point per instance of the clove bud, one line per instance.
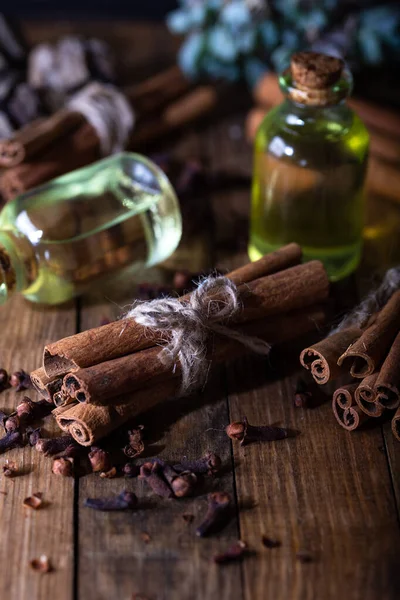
(136, 444)
(33, 435)
(246, 433)
(63, 467)
(29, 411)
(210, 464)
(20, 380)
(53, 446)
(11, 440)
(219, 504)
(124, 501)
(12, 423)
(100, 460)
(182, 484)
(152, 473)
(3, 379)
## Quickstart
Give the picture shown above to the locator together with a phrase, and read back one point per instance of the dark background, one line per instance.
(95, 9)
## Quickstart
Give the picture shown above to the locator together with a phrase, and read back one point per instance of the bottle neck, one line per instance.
(17, 264)
(304, 96)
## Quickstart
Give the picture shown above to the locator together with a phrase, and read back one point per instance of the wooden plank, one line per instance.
(27, 534)
(114, 561)
(326, 492)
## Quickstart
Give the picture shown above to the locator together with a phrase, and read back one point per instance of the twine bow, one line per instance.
(190, 324)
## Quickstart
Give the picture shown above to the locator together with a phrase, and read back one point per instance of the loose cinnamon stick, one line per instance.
(387, 385)
(101, 383)
(347, 413)
(33, 138)
(365, 396)
(123, 337)
(46, 386)
(87, 423)
(367, 353)
(71, 152)
(396, 425)
(321, 358)
(156, 92)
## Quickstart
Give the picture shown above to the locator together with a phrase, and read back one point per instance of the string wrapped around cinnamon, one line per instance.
(138, 379)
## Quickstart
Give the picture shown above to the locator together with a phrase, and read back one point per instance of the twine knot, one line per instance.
(190, 324)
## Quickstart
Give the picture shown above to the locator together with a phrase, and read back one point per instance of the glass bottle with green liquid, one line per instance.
(309, 168)
(92, 225)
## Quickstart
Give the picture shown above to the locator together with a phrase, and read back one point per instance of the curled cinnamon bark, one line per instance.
(124, 337)
(387, 385)
(366, 354)
(321, 359)
(396, 425)
(347, 413)
(365, 396)
(46, 386)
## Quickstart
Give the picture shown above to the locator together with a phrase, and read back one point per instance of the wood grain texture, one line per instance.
(27, 534)
(114, 561)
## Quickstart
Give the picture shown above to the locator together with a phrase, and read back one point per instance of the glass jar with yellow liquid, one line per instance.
(92, 225)
(309, 168)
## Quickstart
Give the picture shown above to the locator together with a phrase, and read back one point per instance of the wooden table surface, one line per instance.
(326, 492)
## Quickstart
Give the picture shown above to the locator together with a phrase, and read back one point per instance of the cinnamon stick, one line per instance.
(367, 353)
(396, 425)
(365, 396)
(46, 386)
(387, 385)
(103, 382)
(87, 423)
(71, 152)
(321, 358)
(123, 337)
(33, 138)
(347, 413)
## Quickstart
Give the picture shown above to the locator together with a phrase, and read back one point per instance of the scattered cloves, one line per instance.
(12, 423)
(35, 501)
(219, 504)
(3, 380)
(41, 564)
(53, 446)
(136, 444)
(131, 470)
(124, 501)
(302, 395)
(151, 472)
(184, 484)
(20, 380)
(100, 460)
(33, 435)
(234, 553)
(210, 464)
(29, 411)
(11, 440)
(246, 433)
(63, 467)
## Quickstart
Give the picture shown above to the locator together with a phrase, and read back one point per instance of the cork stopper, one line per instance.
(314, 71)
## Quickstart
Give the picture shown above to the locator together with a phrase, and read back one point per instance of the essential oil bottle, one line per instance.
(309, 168)
(100, 222)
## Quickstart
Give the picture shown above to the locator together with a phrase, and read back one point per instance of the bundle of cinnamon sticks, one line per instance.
(383, 125)
(370, 355)
(65, 141)
(103, 377)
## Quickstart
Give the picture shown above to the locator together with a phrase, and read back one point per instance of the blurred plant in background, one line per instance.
(236, 39)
